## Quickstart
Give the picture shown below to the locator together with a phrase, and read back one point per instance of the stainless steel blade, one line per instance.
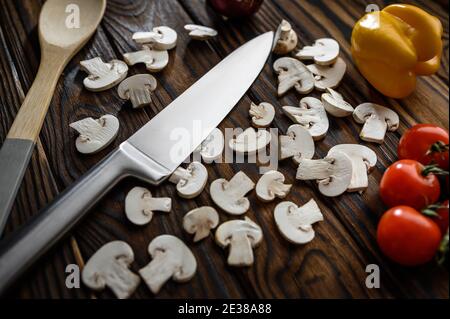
(172, 135)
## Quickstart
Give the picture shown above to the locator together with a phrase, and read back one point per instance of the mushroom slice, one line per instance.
(138, 89)
(363, 161)
(108, 267)
(230, 195)
(171, 258)
(140, 205)
(293, 74)
(262, 114)
(295, 223)
(212, 147)
(324, 52)
(377, 120)
(271, 185)
(285, 38)
(103, 76)
(190, 181)
(333, 173)
(250, 141)
(335, 104)
(160, 38)
(200, 32)
(95, 135)
(154, 60)
(311, 115)
(242, 236)
(297, 143)
(328, 76)
(200, 221)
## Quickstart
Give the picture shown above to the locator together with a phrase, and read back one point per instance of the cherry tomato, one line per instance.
(235, 8)
(404, 183)
(408, 237)
(441, 216)
(425, 143)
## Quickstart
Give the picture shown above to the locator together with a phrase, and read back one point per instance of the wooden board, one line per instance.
(332, 266)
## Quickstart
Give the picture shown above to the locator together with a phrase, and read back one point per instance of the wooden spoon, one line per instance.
(61, 37)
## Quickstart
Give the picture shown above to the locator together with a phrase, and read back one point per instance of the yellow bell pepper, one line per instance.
(393, 46)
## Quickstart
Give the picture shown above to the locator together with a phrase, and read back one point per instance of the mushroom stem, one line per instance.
(179, 175)
(162, 204)
(158, 271)
(202, 231)
(120, 279)
(96, 67)
(238, 186)
(315, 169)
(241, 252)
(374, 127)
(309, 214)
(278, 188)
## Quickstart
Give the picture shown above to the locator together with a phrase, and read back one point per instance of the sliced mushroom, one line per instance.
(171, 258)
(108, 267)
(230, 195)
(297, 143)
(262, 114)
(200, 32)
(377, 120)
(328, 76)
(103, 76)
(335, 104)
(293, 74)
(212, 147)
(363, 161)
(95, 135)
(333, 173)
(140, 205)
(324, 52)
(272, 185)
(295, 223)
(200, 221)
(250, 141)
(154, 60)
(190, 181)
(160, 38)
(138, 89)
(242, 236)
(311, 115)
(285, 38)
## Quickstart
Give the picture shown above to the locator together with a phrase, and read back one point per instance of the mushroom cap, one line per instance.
(177, 254)
(250, 141)
(293, 74)
(161, 38)
(232, 227)
(335, 104)
(325, 51)
(212, 147)
(140, 85)
(192, 183)
(139, 207)
(364, 111)
(328, 76)
(297, 143)
(262, 114)
(199, 220)
(271, 185)
(285, 38)
(357, 152)
(200, 32)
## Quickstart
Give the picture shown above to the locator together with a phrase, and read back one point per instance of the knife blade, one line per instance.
(147, 155)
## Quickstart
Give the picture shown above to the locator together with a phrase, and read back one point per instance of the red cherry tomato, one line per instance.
(235, 8)
(425, 143)
(403, 183)
(442, 217)
(408, 237)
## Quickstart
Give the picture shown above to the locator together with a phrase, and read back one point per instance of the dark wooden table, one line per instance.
(331, 266)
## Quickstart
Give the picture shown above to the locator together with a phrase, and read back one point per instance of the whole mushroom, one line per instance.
(190, 181)
(285, 38)
(138, 89)
(200, 222)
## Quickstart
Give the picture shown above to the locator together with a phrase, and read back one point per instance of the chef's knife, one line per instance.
(151, 154)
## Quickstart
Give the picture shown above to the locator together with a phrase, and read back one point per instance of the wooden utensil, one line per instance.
(61, 37)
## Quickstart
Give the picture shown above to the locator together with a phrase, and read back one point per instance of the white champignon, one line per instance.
(295, 223)
(335, 104)
(262, 115)
(297, 143)
(103, 76)
(154, 60)
(140, 205)
(138, 89)
(109, 267)
(230, 195)
(242, 236)
(171, 258)
(250, 141)
(160, 38)
(95, 135)
(200, 222)
(272, 185)
(328, 76)
(190, 181)
(311, 115)
(285, 38)
(324, 52)
(212, 147)
(200, 32)
(333, 173)
(377, 120)
(293, 74)
(363, 161)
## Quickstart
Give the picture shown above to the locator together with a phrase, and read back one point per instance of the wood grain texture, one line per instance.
(332, 266)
